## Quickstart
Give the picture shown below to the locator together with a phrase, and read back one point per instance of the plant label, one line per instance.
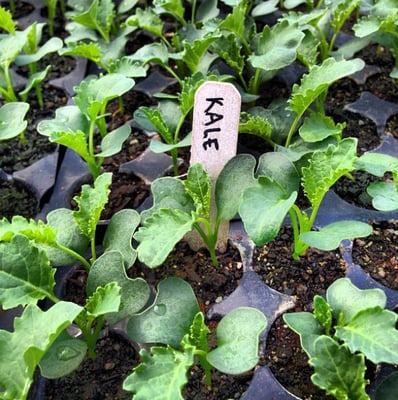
(214, 138)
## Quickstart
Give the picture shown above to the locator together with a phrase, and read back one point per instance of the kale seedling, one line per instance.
(12, 120)
(348, 327)
(264, 196)
(175, 321)
(75, 126)
(22, 48)
(29, 251)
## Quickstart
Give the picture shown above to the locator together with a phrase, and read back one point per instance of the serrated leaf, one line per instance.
(90, 204)
(347, 300)
(148, 20)
(198, 333)
(372, 332)
(341, 12)
(92, 95)
(169, 318)
(277, 46)
(237, 336)
(67, 234)
(198, 186)
(337, 371)
(6, 21)
(20, 353)
(307, 326)
(161, 375)
(105, 300)
(318, 127)
(12, 119)
(109, 267)
(91, 51)
(330, 236)
(264, 208)
(160, 233)
(323, 313)
(326, 167)
(63, 357)
(127, 67)
(255, 125)
(319, 78)
(113, 141)
(229, 49)
(152, 120)
(175, 7)
(26, 275)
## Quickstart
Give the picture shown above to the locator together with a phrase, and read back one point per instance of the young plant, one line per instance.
(168, 117)
(175, 321)
(75, 126)
(22, 48)
(29, 251)
(348, 328)
(266, 194)
(180, 207)
(384, 194)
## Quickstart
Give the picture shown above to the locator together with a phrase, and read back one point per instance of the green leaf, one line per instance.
(330, 236)
(12, 119)
(154, 52)
(277, 46)
(161, 375)
(264, 208)
(113, 141)
(159, 147)
(347, 300)
(90, 203)
(34, 230)
(33, 80)
(319, 78)
(229, 49)
(119, 235)
(26, 275)
(20, 353)
(6, 21)
(235, 177)
(67, 119)
(91, 51)
(11, 46)
(105, 300)
(169, 318)
(341, 12)
(109, 267)
(127, 67)
(198, 186)
(255, 125)
(51, 46)
(173, 7)
(148, 20)
(326, 167)
(372, 332)
(337, 371)
(160, 233)
(376, 163)
(237, 335)
(384, 194)
(198, 333)
(63, 357)
(317, 127)
(68, 234)
(152, 120)
(307, 326)
(323, 313)
(92, 95)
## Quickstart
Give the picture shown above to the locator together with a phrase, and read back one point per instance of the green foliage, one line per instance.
(178, 207)
(175, 321)
(75, 126)
(351, 325)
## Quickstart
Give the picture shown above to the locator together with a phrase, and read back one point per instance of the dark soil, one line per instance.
(99, 379)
